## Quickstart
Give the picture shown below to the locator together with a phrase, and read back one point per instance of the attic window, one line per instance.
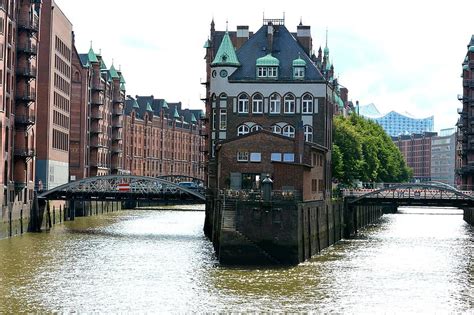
(267, 72)
(298, 72)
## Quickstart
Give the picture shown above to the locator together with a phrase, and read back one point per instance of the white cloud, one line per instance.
(400, 55)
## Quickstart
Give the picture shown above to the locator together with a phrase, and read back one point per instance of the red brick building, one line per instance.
(465, 164)
(161, 138)
(54, 97)
(97, 121)
(416, 151)
(19, 39)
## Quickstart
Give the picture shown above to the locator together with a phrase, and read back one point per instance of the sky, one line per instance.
(401, 55)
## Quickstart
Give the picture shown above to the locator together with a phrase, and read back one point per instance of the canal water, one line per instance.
(420, 260)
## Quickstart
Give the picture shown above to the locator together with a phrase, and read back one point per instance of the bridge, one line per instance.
(411, 194)
(126, 188)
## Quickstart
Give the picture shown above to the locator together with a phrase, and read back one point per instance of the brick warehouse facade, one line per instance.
(465, 165)
(19, 39)
(77, 104)
(54, 97)
(162, 138)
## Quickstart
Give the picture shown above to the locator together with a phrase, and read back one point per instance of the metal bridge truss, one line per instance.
(418, 194)
(122, 187)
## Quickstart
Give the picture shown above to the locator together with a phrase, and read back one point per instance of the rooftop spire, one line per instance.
(226, 55)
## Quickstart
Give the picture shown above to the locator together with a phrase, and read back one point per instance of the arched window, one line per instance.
(257, 104)
(243, 104)
(255, 128)
(223, 97)
(275, 103)
(289, 107)
(308, 133)
(276, 129)
(307, 104)
(289, 131)
(243, 130)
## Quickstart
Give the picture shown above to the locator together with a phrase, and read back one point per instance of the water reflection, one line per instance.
(150, 261)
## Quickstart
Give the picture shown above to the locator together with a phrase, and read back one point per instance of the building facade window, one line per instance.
(242, 156)
(257, 104)
(289, 107)
(289, 131)
(243, 104)
(243, 130)
(307, 104)
(255, 128)
(275, 104)
(267, 72)
(223, 119)
(308, 133)
(276, 157)
(255, 157)
(298, 72)
(288, 157)
(276, 129)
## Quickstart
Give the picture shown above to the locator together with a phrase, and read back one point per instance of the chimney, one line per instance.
(303, 34)
(270, 37)
(242, 35)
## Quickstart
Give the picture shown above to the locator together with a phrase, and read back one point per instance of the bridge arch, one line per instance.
(422, 194)
(119, 187)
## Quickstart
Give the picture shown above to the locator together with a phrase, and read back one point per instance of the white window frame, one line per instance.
(288, 131)
(257, 104)
(298, 72)
(288, 157)
(307, 103)
(272, 72)
(276, 129)
(223, 119)
(308, 133)
(243, 130)
(275, 157)
(243, 104)
(255, 128)
(262, 72)
(275, 103)
(242, 156)
(290, 104)
(255, 157)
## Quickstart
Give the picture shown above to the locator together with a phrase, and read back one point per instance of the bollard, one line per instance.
(267, 185)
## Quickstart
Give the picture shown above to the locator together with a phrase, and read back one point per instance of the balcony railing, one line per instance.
(96, 129)
(25, 120)
(26, 96)
(118, 112)
(117, 124)
(28, 48)
(97, 101)
(119, 99)
(98, 87)
(24, 153)
(256, 195)
(117, 136)
(28, 72)
(29, 24)
(117, 149)
(97, 115)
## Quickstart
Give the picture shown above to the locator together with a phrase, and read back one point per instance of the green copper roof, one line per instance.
(299, 62)
(102, 65)
(91, 55)
(176, 115)
(226, 55)
(207, 44)
(326, 51)
(193, 119)
(165, 105)
(465, 67)
(471, 48)
(122, 80)
(113, 72)
(268, 60)
(135, 104)
(148, 107)
(122, 87)
(339, 101)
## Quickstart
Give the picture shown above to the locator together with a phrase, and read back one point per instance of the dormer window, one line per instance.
(299, 67)
(298, 72)
(267, 67)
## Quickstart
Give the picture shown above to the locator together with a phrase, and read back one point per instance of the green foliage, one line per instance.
(367, 153)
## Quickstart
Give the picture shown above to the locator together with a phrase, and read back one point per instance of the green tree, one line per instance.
(368, 153)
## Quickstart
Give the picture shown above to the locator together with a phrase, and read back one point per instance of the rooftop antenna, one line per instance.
(301, 20)
(226, 25)
(326, 36)
(91, 44)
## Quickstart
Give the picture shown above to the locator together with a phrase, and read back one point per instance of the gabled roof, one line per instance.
(285, 48)
(175, 114)
(113, 72)
(102, 64)
(92, 56)
(84, 58)
(148, 107)
(226, 53)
